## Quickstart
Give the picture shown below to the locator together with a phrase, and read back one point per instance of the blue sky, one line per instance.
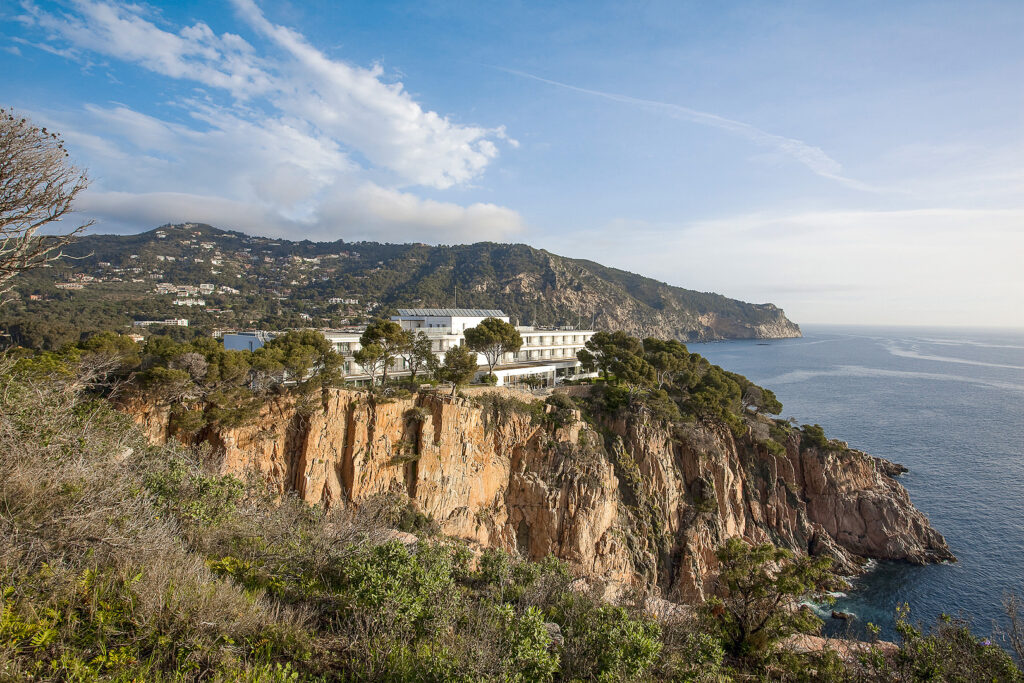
(853, 162)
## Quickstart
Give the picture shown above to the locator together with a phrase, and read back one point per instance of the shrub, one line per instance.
(780, 431)
(813, 436)
(418, 414)
(182, 489)
(946, 652)
(123, 561)
(605, 643)
(763, 587)
(413, 521)
(525, 645)
(186, 420)
(412, 590)
(609, 399)
(111, 591)
(498, 406)
(561, 401)
(509, 578)
(662, 407)
(233, 407)
(772, 446)
(690, 654)
(166, 384)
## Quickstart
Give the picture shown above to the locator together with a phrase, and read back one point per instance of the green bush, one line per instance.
(691, 655)
(232, 407)
(413, 521)
(772, 446)
(525, 645)
(605, 643)
(185, 491)
(411, 589)
(779, 430)
(609, 399)
(499, 407)
(662, 407)
(186, 420)
(813, 436)
(561, 401)
(762, 588)
(949, 651)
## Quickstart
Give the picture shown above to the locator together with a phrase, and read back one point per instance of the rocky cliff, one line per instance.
(626, 500)
(640, 306)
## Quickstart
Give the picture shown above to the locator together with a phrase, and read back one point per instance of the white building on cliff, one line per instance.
(548, 355)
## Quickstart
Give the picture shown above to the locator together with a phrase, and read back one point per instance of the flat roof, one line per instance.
(453, 312)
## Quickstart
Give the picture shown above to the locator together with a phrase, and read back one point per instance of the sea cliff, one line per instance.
(625, 499)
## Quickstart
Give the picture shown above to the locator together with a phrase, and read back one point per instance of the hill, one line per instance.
(276, 283)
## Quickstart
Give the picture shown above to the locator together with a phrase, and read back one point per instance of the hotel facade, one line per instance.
(547, 356)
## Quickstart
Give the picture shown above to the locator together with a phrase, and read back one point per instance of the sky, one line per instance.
(852, 162)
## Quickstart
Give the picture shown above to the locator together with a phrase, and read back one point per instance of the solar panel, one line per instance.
(453, 312)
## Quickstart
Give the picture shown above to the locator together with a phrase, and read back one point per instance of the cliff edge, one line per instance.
(628, 499)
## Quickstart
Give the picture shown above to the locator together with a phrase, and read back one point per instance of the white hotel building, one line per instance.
(547, 354)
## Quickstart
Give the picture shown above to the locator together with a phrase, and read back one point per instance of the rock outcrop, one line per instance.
(630, 501)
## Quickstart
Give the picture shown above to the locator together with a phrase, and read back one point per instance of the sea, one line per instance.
(949, 405)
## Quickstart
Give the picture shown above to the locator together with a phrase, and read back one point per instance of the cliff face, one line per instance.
(633, 503)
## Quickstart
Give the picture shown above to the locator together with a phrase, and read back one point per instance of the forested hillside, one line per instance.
(273, 283)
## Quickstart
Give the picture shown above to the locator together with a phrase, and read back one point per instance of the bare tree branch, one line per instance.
(38, 185)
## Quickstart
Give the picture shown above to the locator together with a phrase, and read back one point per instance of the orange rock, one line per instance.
(637, 504)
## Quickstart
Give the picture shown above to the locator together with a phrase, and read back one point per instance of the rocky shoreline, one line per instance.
(628, 502)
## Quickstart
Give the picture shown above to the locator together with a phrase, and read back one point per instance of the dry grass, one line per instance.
(81, 535)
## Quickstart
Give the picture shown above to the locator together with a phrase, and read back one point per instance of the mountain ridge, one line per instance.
(285, 283)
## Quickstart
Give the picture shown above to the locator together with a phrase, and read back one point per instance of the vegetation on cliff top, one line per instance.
(671, 383)
(205, 384)
(126, 561)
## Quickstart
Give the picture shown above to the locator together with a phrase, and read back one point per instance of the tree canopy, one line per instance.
(493, 338)
(458, 367)
(419, 355)
(389, 338)
(672, 382)
(762, 590)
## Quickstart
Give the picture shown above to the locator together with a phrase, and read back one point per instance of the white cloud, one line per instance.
(366, 211)
(275, 178)
(929, 266)
(278, 158)
(380, 119)
(195, 52)
(129, 210)
(391, 215)
(349, 104)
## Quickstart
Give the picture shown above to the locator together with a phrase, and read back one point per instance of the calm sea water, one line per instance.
(948, 404)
